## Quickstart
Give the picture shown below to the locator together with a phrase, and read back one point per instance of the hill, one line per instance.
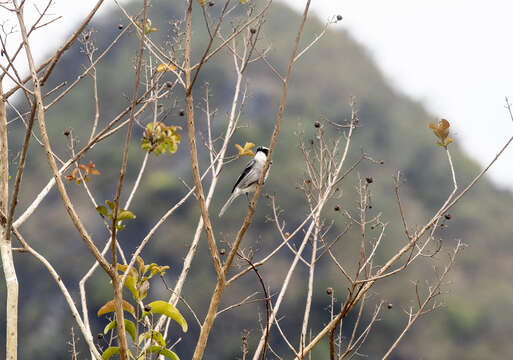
(393, 128)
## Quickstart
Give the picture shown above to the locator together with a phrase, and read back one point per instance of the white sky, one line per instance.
(453, 55)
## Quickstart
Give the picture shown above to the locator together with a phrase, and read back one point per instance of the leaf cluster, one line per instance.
(138, 285)
(441, 131)
(137, 279)
(159, 138)
(84, 171)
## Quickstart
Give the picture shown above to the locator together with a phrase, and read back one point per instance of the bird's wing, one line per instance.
(244, 174)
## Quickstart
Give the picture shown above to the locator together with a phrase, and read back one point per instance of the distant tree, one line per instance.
(234, 32)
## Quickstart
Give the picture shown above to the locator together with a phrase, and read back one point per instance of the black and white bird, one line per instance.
(248, 180)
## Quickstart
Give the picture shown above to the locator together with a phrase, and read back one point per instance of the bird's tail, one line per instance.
(228, 203)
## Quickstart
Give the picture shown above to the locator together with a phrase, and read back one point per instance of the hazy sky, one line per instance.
(455, 56)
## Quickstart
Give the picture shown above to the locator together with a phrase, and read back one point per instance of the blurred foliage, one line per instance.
(392, 128)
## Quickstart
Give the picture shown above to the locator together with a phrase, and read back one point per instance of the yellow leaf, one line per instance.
(202, 2)
(121, 267)
(140, 263)
(165, 67)
(246, 150)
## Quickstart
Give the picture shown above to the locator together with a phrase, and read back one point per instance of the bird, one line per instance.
(247, 181)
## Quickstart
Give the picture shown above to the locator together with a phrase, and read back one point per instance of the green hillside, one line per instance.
(393, 128)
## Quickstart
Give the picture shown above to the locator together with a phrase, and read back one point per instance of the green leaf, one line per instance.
(125, 215)
(155, 336)
(102, 210)
(172, 148)
(129, 326)
(164, 308)
(146, 145)
(130, 284)
(163, 351)
(110, 204)
(160, 149)
(155, 269)
(120, 227)
(113, 324)
(113, 350)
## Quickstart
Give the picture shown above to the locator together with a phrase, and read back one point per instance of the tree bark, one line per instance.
(11, 281)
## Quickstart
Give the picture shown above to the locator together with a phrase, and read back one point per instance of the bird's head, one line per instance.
(263, 149)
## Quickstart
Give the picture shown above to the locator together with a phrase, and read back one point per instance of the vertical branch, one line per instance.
(21, 167)
(11, 280)
(221, 282)
(216, 297)
(317, 225)
(274, 138)
(332, 344)
(219, 163)
(232, 121)
(116, 280)
(193, 149)
(51, 161)
(309, 295)
(122, 172)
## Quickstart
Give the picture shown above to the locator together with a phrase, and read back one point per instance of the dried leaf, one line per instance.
(109, 307)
